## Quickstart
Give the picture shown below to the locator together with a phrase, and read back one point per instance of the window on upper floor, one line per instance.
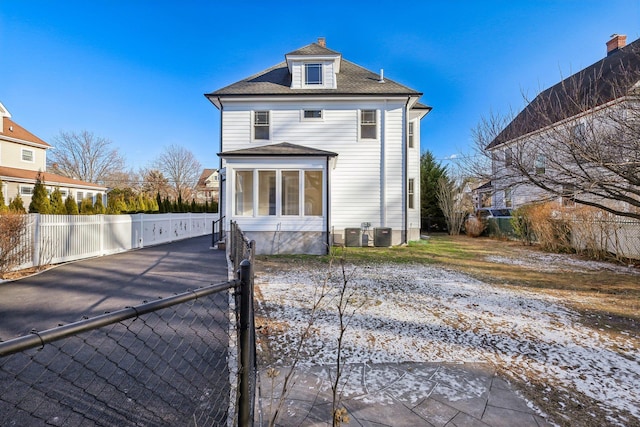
(312, 115)
(540, 164)
(261, 125)
(508, 157)
(312, 74)
(27, 155)
(411, 143)
(368, 124)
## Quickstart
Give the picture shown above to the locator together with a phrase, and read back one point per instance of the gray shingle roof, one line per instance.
(351, 80)
(282, 149)
(610, 78)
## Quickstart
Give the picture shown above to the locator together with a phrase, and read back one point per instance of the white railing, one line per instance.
(61, 238)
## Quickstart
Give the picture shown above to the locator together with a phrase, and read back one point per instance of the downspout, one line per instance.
(406, 170)
(328, 209)
(222, 182)
(383, 165)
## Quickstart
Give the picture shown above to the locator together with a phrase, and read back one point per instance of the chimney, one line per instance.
(617, 41)
(322, 41)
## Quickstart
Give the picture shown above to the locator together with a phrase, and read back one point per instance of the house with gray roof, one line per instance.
(576, 141)
(317, 151)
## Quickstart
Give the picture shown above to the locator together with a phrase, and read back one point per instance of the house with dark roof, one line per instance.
(23, 156)
(316, 150)
(577, 140)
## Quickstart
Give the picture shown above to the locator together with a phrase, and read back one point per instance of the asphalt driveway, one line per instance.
(69, 292)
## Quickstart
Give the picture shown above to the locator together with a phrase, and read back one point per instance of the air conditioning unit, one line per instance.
(382, 237)
(352, 237)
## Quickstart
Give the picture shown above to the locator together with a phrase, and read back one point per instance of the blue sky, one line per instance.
(135, 71)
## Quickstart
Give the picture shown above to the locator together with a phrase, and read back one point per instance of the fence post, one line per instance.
(245, 400)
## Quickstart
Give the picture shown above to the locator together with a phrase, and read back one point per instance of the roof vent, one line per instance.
(617, 41)
(381, 80)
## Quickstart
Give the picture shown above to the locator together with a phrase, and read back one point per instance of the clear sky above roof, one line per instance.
(136, 71)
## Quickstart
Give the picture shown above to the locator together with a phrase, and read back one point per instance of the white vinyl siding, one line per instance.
(359, 188)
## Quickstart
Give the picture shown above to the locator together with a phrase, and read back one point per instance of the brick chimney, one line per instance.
(617, 41)
(322, 41)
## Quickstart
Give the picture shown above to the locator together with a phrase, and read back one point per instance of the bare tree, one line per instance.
(455, 206)
(579, 139)
(182, 169)
(85, 156)
(154, 182)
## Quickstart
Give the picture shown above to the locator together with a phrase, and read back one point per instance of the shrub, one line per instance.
(474, 227)
(13, 250)
(549, 226)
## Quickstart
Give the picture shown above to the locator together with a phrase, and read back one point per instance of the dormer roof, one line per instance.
(352, 80)
(313, 52)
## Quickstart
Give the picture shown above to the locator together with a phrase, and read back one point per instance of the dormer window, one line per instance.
(312, 74)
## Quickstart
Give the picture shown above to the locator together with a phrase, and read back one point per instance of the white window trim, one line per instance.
(253, 125)
(411, 134)
(28, 150)
(279, 214)
(26, 190)
(360, 138)
(304, 75)
(411, 193)
(312, 119)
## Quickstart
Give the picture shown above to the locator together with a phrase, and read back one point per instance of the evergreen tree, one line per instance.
(430, 172)
(167, 205)
(86, 206)
(3, 206)
(99, 206)
(194, 207)
(39, 199)
(17, 205)
(56, 203)
(70, 205)
(159, 202)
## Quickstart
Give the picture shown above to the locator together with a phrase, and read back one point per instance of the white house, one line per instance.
(23, 156)
(317, 145)
(577, 140)
(208, 186)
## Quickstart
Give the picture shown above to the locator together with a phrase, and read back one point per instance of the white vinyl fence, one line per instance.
(60, 238)
(615, 235)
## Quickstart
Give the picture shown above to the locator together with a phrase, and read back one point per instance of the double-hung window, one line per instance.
(27, 155)
(261, 125)
(540, 164)
(312, 74)
(411, 193)
(411, 143)
(508, 157)
(368, 124)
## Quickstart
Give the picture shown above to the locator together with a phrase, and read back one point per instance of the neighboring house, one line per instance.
(23, 156)
(562, 140)
(208, 187)
(315, 145)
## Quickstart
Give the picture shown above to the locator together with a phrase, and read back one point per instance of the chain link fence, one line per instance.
(186, 360)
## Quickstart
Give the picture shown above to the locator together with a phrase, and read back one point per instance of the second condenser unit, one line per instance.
(382, 237)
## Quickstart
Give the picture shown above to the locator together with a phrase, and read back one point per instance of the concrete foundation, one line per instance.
(289, 242)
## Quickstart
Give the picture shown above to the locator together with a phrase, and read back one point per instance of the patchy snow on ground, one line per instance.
(417, 313)
(550, 262)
